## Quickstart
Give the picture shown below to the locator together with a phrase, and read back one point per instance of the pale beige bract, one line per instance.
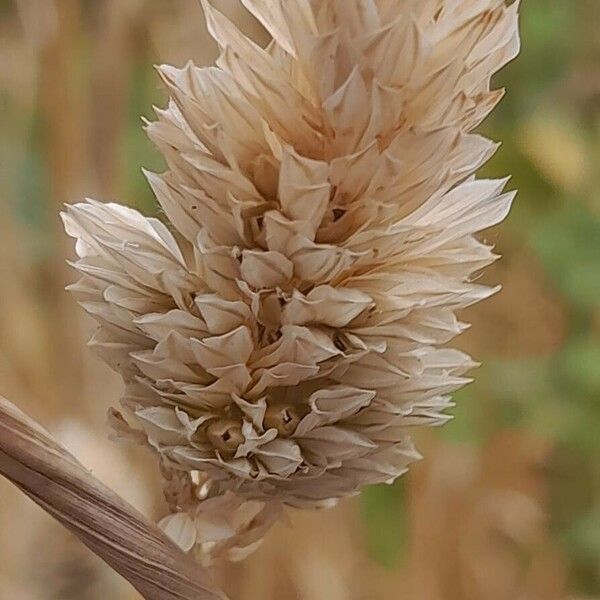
(285, 328)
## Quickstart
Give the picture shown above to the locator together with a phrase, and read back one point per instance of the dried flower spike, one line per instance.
(282, 333)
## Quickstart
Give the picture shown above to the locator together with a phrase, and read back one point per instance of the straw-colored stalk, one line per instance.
(54, 479)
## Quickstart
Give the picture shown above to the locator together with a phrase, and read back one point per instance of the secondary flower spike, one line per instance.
(284, 328)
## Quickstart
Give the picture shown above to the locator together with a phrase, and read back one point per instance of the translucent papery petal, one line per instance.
(280, 457)
(330, 446)
(130, 250)
(224, 527)
(334, 307)
(304, 189)
(265, 85)
(383, 466)
(181, 528)
(330, 405)
(270, 14)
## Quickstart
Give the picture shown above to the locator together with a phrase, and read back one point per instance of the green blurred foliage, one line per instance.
(385, 512)
(139, 152)
(568, 243)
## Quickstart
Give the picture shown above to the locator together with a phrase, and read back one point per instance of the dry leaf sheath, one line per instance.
(110, 527)
(280, 334)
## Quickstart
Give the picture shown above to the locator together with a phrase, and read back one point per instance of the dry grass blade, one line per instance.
(110, 527)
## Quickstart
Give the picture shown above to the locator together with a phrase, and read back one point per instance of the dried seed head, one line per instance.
(288, 325)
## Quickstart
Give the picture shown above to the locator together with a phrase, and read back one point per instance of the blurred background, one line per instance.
(506, 504)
